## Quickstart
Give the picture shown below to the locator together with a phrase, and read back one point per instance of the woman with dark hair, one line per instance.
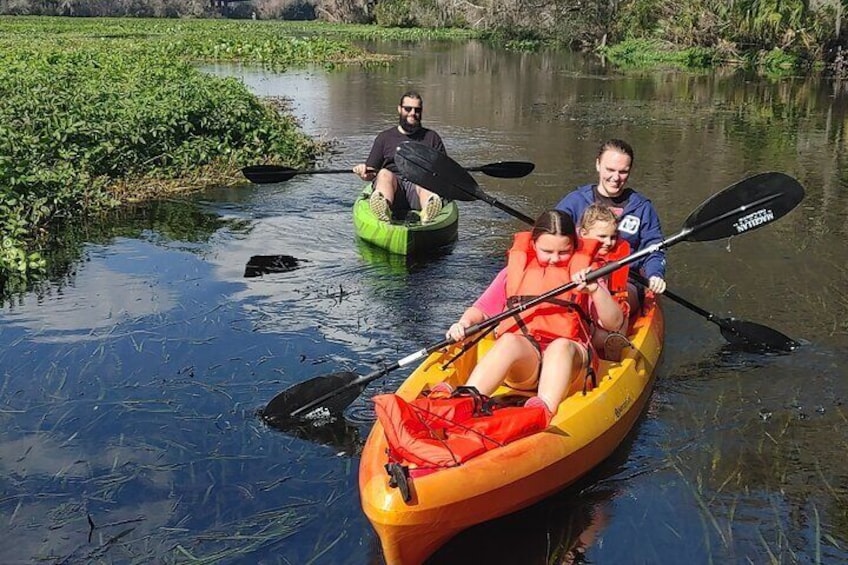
(548, 345)
(638, 222)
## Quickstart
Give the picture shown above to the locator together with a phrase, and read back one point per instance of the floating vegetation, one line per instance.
(89, 122)
(650, 53)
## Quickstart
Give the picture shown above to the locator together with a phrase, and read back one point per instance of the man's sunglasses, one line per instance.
(408, 109)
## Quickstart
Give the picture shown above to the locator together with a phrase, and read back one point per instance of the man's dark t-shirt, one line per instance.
(385, 146)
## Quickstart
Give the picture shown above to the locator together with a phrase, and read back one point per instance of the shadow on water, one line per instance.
(163, 221)
(339, 435)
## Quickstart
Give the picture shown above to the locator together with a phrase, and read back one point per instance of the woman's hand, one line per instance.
(456, 332)
(656, 284)
(582, 286)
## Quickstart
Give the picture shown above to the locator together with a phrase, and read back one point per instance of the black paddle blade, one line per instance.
(506, 169)
(435, 171)
(755, 337)
(268, 174)
(279, 410)
(746, 205)
(259, 265)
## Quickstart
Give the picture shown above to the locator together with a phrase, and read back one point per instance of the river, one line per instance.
(130, 382)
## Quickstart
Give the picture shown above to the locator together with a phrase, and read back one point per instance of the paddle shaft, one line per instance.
(276, 173)
(498, 204)
(320, 171)
(676, 298)
(764, 334)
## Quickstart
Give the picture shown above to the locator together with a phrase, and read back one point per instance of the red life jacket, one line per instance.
(428, 434)
(564, 315)
(617, 280)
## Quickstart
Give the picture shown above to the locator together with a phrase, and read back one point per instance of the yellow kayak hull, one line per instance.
(585, 430)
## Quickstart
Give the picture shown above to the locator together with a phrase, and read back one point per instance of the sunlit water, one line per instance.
(129, 386)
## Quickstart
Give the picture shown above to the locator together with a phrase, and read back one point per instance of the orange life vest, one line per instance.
(617, 280)
(428, 434)
(564, 315)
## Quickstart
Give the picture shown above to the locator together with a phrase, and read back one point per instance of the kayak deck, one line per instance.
(585, 430)
(408, 236)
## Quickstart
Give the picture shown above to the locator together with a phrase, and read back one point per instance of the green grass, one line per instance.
(649, 53)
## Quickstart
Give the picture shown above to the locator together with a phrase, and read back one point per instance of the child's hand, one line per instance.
(582, 286)
(456, 332)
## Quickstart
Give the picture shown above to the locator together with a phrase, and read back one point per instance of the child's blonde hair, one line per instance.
(597, 213)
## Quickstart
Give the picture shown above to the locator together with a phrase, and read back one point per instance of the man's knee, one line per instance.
(386, 179)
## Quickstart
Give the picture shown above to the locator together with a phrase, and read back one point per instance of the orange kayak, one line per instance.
(585, 430)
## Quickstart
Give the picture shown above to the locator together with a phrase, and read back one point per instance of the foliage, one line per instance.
(741, 26)
(394, 13)
(779, 62)
(409, 14)
(641, 53)
(515, 39)
(87, 123)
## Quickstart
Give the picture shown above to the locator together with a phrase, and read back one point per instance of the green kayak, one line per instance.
(407, 236)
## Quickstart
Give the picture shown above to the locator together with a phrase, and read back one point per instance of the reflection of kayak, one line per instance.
(408, 236)
(387, 261)
(585, 431)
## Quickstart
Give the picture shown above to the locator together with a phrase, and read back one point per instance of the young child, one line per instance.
(599, 223)
(548, 345)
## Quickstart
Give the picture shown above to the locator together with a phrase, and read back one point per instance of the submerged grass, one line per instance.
(115, 497)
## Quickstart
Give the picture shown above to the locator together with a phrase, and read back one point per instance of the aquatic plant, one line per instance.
(84, 129)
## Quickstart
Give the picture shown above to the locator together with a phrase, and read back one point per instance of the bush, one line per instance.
(394, 13)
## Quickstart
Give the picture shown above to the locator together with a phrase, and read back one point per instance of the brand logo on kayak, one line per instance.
(621, 408)
(753, 220)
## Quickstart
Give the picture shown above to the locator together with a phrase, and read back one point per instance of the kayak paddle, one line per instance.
(266, 174)
(749, 204)
(422, 165)
(439, 173)
(736, 332)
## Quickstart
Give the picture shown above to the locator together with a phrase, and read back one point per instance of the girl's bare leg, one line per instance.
(510, 352)
(562, 361)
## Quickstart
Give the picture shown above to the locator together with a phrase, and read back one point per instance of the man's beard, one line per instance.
(407, 127)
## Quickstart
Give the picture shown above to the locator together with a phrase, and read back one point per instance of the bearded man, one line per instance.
(391, 191)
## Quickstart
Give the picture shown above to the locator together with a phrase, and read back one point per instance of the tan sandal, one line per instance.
(614, 346)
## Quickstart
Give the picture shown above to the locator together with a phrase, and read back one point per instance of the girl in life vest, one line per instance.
(546, 346)
(599, 223)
